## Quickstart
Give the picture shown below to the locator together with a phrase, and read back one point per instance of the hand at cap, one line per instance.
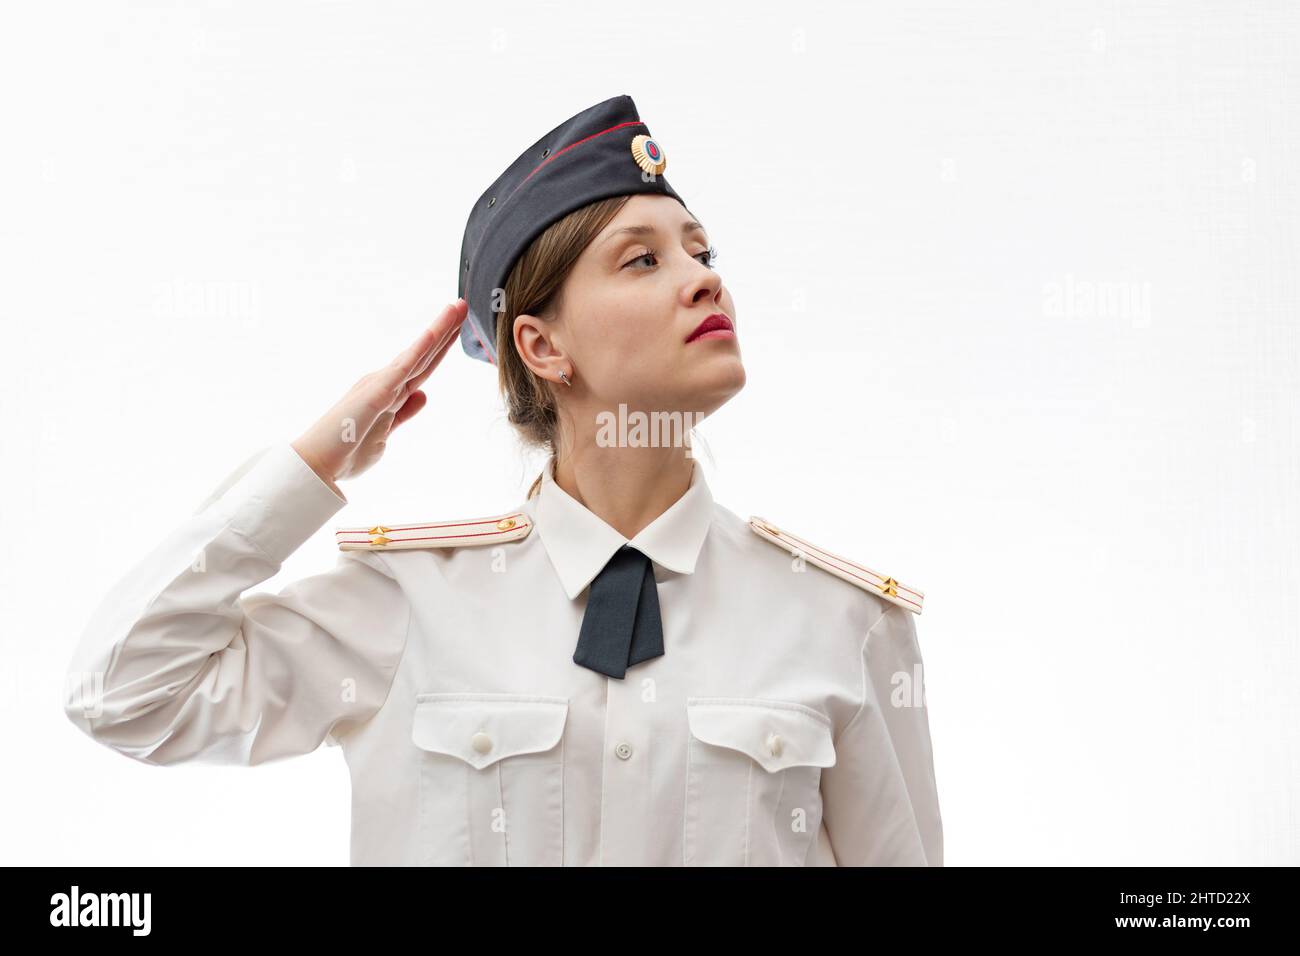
(352, 435)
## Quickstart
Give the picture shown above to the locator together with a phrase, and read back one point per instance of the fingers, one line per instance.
(386, 390)
(396, 372)
(409, 356)
(452, 332)
(412, 405)
(434, 359)
(448, 322)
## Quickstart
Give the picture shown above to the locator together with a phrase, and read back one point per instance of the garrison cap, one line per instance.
(604, 151)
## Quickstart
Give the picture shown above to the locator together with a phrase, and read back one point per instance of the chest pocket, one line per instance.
(753, 781)
(491, 789)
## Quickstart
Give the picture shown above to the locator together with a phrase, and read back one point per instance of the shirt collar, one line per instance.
(580, 544)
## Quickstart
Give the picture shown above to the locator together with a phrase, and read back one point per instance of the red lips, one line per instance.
(711, 324)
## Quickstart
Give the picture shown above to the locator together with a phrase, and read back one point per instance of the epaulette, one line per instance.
(881, 585)
(436, 534)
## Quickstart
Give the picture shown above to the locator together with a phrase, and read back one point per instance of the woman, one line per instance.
(647, 679)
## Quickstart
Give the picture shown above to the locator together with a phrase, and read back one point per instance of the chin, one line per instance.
(717, 386)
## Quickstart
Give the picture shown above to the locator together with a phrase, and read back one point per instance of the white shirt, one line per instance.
(784, 724)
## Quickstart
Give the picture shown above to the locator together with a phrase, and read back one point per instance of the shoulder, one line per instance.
(440, 533)
(880, 584)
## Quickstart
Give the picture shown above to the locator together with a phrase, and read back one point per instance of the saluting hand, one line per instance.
(352, 435)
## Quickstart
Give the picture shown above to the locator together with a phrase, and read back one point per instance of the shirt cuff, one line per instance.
(279, 502)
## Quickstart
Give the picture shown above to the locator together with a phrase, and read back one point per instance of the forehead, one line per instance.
(662, 212)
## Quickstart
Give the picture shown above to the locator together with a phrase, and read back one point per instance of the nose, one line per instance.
(706, 284)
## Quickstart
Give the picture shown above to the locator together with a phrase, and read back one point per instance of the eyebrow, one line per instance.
(690, 226)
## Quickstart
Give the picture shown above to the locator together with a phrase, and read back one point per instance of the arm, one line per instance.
(880, 799)
(175, 666)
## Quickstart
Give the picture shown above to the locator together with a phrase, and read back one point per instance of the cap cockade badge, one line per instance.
(648, 154)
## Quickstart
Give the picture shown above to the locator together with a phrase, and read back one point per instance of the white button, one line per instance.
(774, 744)
(623, 750)
(481, 742)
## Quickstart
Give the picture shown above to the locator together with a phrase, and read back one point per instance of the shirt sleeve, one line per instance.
(880, 800)
(176, 666)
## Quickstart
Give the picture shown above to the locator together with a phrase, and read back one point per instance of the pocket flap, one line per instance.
(775, 733)
(481, 729)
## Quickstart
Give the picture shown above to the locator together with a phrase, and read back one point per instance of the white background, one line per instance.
(1017, 296)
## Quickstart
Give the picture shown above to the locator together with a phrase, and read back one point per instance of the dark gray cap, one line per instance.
(606, 150)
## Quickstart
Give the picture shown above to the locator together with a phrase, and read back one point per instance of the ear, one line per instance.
(535, 339)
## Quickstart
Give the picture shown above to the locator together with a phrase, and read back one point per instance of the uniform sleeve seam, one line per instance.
(406, 638)
(257, 545)
(397, 666)
(862, 656)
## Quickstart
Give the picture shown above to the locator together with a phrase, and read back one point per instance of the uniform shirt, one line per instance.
(783, 726)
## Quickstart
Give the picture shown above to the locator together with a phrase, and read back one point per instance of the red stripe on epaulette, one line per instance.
(442, 537)
(446, 524)
(830, 556)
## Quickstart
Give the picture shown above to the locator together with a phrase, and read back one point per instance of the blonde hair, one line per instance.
(533, 288)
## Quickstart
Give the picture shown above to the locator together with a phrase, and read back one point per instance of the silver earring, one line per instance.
(564, 377)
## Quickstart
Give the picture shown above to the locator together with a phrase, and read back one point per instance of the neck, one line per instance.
(627, 488)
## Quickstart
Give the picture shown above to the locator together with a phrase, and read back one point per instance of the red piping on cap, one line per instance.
(486, 351)
(560, 153)
(571, 145)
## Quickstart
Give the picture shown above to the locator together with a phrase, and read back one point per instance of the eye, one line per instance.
(710, 257)
(645, 255)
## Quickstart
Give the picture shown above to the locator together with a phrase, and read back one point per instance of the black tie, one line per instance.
(621, 625)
